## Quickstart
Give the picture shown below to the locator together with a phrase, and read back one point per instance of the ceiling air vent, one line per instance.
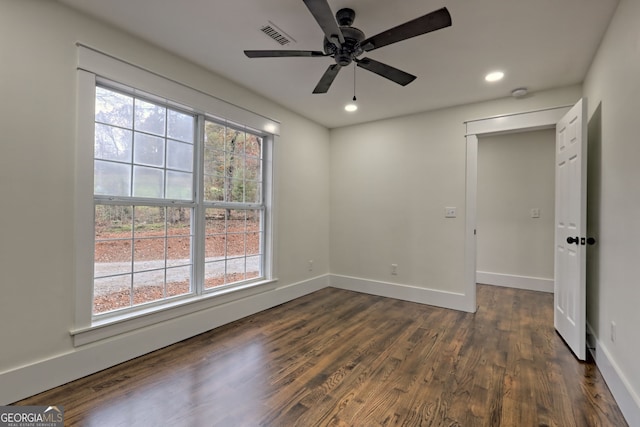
(276, 34)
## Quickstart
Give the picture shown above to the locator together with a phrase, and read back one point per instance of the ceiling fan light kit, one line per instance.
(345, 44)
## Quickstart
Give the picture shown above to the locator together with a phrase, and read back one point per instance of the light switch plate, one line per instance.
(450, 212)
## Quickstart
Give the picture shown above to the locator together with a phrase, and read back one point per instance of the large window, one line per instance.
(179, 202)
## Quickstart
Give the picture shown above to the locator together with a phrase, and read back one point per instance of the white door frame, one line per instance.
(510, 123)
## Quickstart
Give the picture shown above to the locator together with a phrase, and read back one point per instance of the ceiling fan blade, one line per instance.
(327, 78)
(430, 22)
(282, 53)
(324, 16)
(386, 71)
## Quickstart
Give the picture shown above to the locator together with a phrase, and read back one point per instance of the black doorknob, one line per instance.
(591, 241)
(571, 240)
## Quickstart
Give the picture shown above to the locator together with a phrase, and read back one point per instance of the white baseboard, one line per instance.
(627, 399)
(35, 378)
(513, 281)
(428, 296)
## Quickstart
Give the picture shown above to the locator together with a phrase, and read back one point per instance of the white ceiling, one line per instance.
(539, 44)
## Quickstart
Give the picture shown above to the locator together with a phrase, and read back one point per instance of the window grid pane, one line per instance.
(232, 165)
(142, 254)
(233, 241)
(137, 143)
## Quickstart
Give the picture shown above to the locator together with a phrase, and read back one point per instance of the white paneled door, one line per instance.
(570, 235)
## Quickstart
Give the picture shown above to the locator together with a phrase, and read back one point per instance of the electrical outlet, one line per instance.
(613, 331)
(450, 212)
(310, 265)
(394, 269)
(535, 213)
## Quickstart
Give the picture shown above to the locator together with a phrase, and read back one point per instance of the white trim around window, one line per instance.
(130, 75)
(95, 67)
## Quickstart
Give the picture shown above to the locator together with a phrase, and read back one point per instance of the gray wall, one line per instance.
(613, 89)
(516, 174)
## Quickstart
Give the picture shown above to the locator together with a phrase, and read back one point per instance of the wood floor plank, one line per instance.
(340, 358)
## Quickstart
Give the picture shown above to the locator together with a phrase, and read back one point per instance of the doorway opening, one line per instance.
(515, 210)
(499, 125)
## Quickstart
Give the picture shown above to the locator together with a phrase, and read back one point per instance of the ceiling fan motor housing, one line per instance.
(349, 50)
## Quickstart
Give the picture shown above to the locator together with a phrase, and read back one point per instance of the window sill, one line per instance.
(119, 324)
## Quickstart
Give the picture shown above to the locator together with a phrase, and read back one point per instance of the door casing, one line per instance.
(497, 125)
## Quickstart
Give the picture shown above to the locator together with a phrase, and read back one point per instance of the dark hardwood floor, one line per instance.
(347, 359)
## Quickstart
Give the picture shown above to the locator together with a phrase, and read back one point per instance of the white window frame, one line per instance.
(96, 68)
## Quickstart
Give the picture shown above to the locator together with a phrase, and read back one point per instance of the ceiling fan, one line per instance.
(345, 43)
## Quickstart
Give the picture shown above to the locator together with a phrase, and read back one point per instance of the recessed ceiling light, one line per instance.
(494, 76)
(351, 107)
